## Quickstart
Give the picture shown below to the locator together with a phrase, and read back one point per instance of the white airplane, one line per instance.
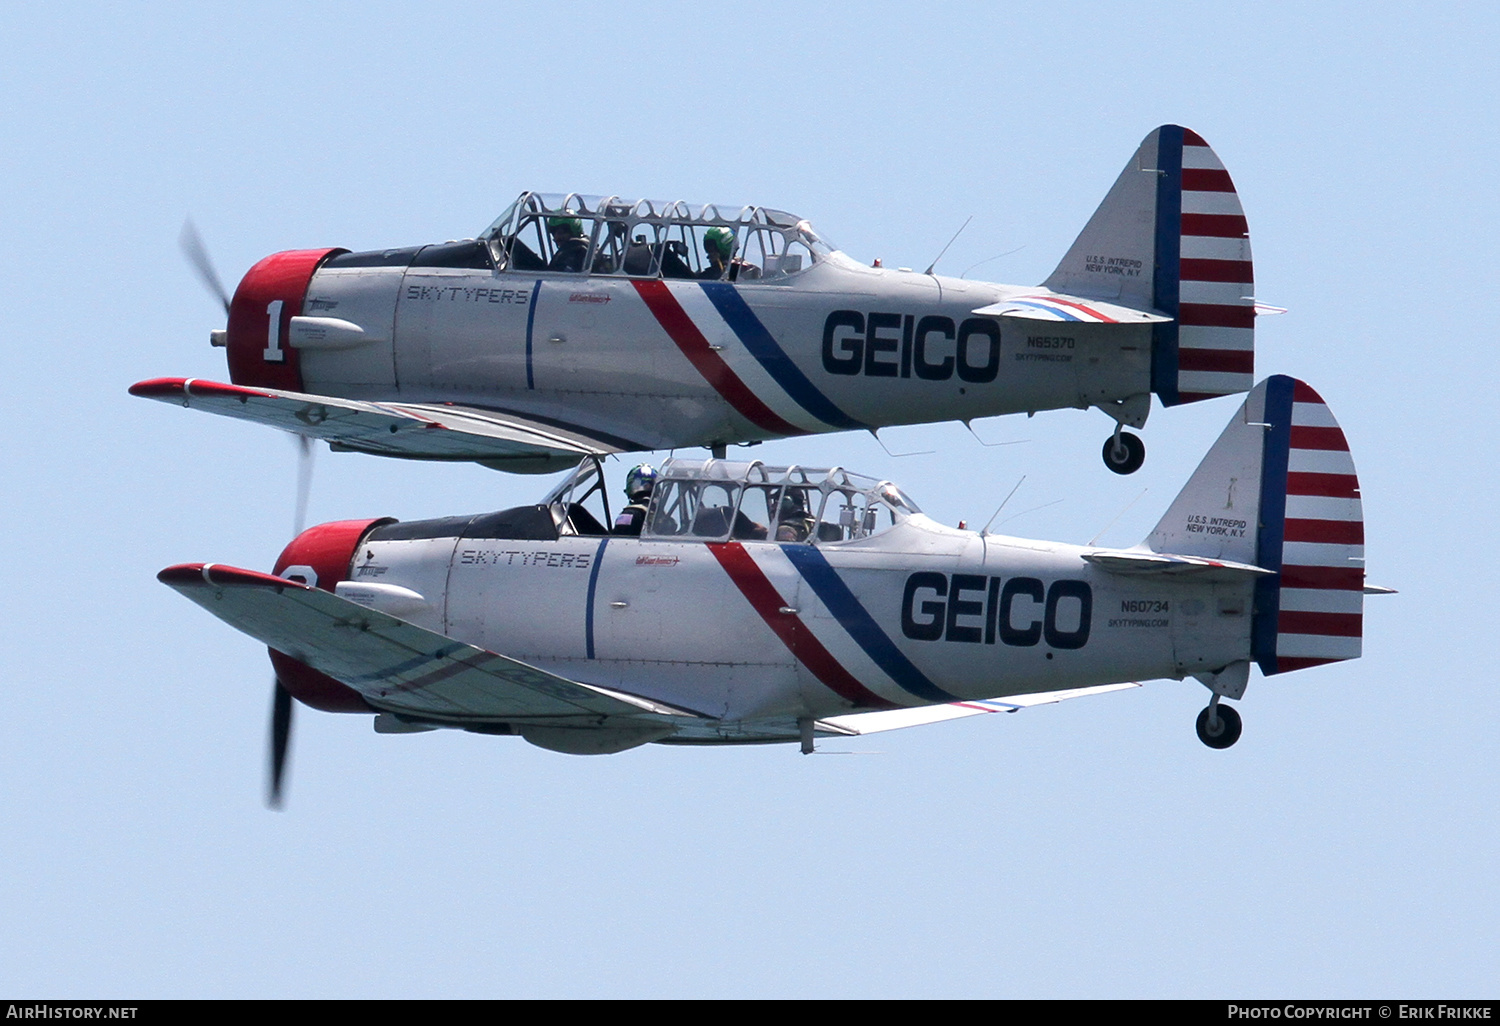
(581, 325)
(782, 604)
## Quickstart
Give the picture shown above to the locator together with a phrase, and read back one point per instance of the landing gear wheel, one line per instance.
(1228, 731)
(1124, 453)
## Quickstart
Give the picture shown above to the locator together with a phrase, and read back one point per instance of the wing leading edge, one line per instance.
(896, 719)
(422, 431)
(404, 669)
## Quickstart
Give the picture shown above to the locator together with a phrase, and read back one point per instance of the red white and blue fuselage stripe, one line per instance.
(691, 341)
(763, 346)
(854, 620)
(789, 627)
(860, 625)
(799, 398)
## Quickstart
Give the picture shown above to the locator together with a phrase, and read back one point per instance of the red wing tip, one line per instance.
(218, 575)
(159, 388)
(181, 573)
(184, 388)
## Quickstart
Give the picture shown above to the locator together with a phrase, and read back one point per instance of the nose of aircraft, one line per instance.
(260, 316)
(320, 556)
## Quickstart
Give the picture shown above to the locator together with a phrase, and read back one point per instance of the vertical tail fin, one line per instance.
(1171, 237)
(1278, 489)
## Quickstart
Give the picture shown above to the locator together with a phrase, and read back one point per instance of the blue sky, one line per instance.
(1343, 848)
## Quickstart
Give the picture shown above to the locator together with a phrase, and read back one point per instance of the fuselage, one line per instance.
(655, 325)
(656, 362)
(754, 629)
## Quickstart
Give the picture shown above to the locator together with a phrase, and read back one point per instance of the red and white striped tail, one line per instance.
(1216, 280)
(1170, 238)
(1278, 491)
(1312, 531)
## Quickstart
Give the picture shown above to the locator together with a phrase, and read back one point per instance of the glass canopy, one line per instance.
(580, 234)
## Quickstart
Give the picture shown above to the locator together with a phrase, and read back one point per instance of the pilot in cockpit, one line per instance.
(793, 522)
(569, 246)
(718, 246)
(640, 482)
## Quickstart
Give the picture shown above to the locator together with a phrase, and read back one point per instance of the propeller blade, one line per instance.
(198, 259)
(304, 481)
(281, 735)
(281, 705)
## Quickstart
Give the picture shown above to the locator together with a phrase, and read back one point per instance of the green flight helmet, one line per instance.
(720, 241)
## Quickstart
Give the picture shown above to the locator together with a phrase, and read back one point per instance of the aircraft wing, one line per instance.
(894, 719)
(399, 667)
(422, 431)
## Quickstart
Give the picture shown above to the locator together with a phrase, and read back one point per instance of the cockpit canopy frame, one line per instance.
(575, 233)
(721, 500)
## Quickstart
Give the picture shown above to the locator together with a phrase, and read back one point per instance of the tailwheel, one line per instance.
(1219, 725)
(1124, 453)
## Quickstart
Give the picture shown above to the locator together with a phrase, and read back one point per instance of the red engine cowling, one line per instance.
(260, 318)
(320, 556)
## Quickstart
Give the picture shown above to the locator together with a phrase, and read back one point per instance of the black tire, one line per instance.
(1130, 455)
(1229, 728)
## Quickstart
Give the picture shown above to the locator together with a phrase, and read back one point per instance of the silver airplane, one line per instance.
(782, 604)
(582, 325)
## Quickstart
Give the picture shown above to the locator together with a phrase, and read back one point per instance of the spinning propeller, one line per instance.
(281, 704)
(199, 260)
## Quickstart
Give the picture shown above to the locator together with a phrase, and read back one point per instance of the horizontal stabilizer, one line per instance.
(1054, 307)
(421, 431)
(1201, 568)
(400, 667)
(895, 719)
